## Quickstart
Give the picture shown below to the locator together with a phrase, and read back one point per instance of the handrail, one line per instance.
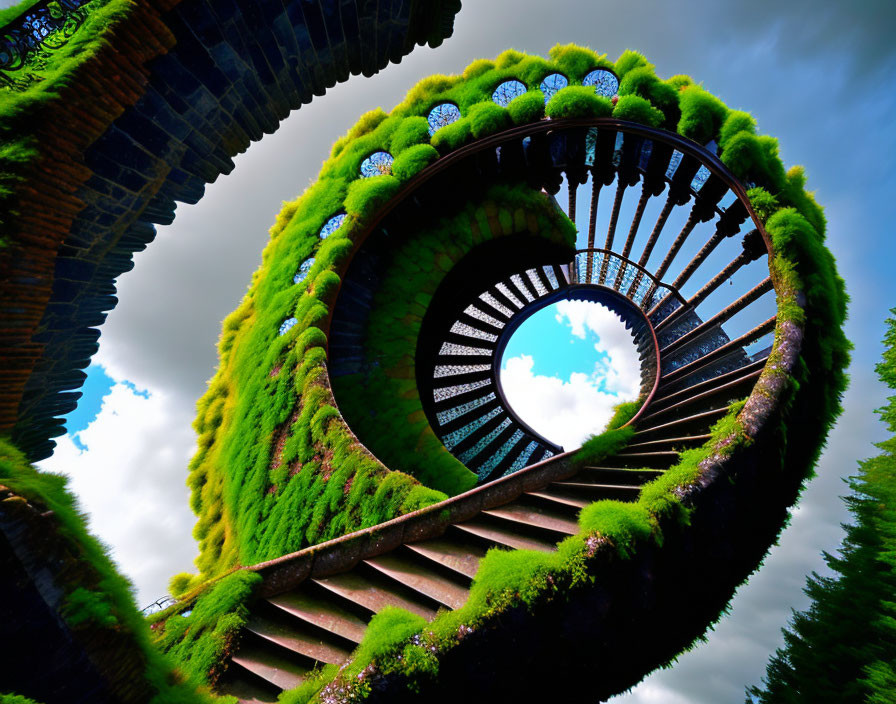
(642, 272)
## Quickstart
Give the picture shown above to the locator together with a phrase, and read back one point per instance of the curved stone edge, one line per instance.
(78, 227)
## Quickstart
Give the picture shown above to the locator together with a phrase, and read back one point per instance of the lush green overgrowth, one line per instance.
(20, 110)
(16, 699)
(277, 468)
(613, 439)
(843, 647)
(417, 268)
(99, 601)
(802, 264)
(200, 633)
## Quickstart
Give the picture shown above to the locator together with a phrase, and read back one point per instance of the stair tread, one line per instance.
(247, 692)
(680, 421)
(559, 498)
(417, 577)
(296, 640)
(321, 613)
(279, 671)
(504, 536)
(669, 441)
(361, 590)
(589, 485)
(463, 559)
(535, 517)
(703, 390)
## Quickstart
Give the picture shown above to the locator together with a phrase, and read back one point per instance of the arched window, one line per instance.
(331, 225)
(507, 91)
(441, 115)
(286, 325)
(605, 82)
(552, 83)
(303, 271)
(377, 164)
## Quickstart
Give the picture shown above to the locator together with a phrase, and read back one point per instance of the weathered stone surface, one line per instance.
(181, 87)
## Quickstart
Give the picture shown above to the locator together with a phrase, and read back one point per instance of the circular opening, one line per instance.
(377, 164)
(507, 91)
(566, 367)
(605, 82)
(442, 115)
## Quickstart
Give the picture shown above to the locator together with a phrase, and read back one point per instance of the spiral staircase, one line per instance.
(703, 343)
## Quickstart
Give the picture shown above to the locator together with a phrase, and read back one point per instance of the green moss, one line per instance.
(411, 131)
(623, 413)
(386, 630)
(366, 196)
(598, 447)
(413, 160)
(200, 633)
(577, 61)
(627, 525)
(453, 136)
(630, 61)
(488, 118)
(638, 109)
(16, 698)
(528, 107)
(98, 602)
(578, 101)
(310, 687)
(644, 83)
(702, 114)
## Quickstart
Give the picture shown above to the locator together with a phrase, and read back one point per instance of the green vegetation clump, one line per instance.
(578, 101)
(21, 110)
(16, 698)
(200, 633)
(829, 655)
(637, 109)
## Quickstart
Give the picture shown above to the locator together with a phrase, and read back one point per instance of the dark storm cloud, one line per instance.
(816, 75)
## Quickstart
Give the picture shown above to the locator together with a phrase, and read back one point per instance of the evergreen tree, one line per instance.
(843, 648)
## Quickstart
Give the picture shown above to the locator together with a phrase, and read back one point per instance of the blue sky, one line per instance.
(565, 369)
(547, 338)
(818, 75)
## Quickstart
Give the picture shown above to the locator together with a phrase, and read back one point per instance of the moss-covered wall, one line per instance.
(70, 627)
(381, 402)
(143, 106)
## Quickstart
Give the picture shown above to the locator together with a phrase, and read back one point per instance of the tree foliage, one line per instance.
(843, 647)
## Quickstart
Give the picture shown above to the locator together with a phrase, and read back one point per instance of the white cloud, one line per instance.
(568, 412)
(620, 372)
(130, 482)
(565, 412)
